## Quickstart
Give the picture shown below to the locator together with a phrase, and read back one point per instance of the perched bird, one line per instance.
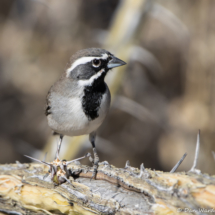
(79, 101)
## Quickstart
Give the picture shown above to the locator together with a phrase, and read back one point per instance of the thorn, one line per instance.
(179, 163)
(142, 168)
(44, 159)
(68, 181)
(87, 155)
(59, 146)
(43, 162)
(127, 164)
(196, 153)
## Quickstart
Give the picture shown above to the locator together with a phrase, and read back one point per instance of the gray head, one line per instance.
(90, 64)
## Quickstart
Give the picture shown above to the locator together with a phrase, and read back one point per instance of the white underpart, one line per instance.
(91, 80)
(68, 118)
(84, 60)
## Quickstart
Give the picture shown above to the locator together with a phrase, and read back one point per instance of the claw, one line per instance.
(91, 158)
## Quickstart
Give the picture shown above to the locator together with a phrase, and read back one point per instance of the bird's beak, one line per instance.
(115, 62)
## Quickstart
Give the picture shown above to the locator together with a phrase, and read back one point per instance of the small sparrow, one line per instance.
(79, 101)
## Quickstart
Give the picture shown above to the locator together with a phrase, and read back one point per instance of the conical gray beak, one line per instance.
(115, 62)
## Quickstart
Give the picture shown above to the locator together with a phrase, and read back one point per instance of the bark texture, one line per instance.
(25, 190)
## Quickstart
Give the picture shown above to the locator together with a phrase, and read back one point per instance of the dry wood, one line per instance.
(25, 190)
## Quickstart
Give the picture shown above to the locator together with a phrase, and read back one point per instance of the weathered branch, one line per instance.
(24, 188)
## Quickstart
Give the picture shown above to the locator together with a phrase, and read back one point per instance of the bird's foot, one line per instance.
(58, 170)
(95, 162)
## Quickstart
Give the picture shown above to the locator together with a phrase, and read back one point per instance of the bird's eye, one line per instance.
(110, 58)
(96, 63)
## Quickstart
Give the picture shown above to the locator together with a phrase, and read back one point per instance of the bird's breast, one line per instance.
(92, 99)
(82, 114)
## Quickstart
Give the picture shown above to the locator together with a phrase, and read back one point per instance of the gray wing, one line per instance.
(48, 104)
(62, 88)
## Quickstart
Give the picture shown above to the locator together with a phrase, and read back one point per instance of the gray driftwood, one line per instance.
(25, 190)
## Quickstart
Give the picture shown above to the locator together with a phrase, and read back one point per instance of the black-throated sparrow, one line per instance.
(79, 101)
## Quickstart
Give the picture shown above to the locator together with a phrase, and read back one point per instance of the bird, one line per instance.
(79, 101)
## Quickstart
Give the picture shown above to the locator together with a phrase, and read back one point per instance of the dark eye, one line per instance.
(110, 58)
(96, 63)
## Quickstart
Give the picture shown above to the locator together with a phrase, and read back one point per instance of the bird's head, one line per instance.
(88, 65)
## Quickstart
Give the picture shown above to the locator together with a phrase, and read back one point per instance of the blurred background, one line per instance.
(159, 99)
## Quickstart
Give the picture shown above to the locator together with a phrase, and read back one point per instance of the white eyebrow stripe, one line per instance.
(104, 56)
(78, 62)
(84, 60)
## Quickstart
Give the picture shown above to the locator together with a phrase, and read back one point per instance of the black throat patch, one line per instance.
(91, 100)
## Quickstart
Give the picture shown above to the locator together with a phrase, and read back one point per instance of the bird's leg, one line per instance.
(58, 147)
(95, 160)
(58, 169)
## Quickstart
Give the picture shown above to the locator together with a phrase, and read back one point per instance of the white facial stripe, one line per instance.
(84, 60)
(104, 56)
(78, 62)
(91, 80)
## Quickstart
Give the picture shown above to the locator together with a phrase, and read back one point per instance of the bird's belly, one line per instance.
(69, 119)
